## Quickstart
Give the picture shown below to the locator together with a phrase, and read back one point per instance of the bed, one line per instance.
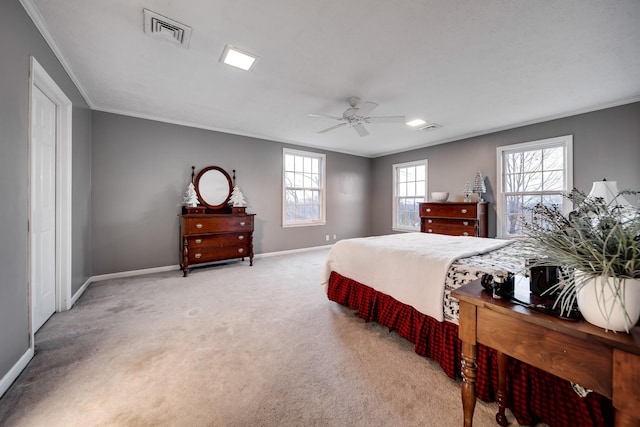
(404, 282)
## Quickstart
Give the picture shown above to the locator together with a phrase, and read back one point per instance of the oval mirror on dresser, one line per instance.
(213, 187)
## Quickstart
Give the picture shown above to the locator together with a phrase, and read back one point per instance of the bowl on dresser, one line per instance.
(439, 196)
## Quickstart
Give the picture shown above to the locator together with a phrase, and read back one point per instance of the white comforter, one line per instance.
(410, 267)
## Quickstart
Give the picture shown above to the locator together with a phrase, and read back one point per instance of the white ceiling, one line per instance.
(472, 66)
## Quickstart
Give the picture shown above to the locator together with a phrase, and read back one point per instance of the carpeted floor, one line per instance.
(230, 345)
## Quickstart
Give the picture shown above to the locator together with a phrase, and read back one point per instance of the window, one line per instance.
(531, 173)
(303, 201)
(409, 189)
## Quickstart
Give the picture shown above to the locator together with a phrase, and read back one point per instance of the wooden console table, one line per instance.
(606, 362)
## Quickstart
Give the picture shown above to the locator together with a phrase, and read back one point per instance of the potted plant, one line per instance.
(600, 243)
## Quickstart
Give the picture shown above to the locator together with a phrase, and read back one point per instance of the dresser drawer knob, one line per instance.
(465, 233)
(198, 225)
(198, 241)
(240, 250)
(465, 222)
(240, 237)
(197, 256)
(428, 209)
(242, 224)
(429, 221)
(429, 231)
(463, 211)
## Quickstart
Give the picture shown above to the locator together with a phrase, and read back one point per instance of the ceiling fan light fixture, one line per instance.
(357, 115)
(416, 123)
(238, 58)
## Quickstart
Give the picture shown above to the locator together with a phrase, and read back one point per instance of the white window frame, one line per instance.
(323, 205)
(565, 142)
(395, 168)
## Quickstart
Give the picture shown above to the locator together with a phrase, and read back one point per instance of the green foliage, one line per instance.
(597, 239)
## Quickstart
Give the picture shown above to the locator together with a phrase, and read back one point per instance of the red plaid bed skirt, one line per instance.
(534, 395)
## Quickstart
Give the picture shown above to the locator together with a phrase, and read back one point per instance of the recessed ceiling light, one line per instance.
(430, 126)
(238, 58)
(416, 122)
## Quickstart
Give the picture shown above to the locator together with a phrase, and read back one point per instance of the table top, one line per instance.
(473, 293)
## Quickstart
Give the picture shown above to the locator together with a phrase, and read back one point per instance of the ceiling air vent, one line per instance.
(166, 29)
(430, 126)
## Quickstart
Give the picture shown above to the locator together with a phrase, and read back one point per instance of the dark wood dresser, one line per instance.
(211, 229)
(454, 218)
(209, 237)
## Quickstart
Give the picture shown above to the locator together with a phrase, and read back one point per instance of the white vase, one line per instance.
(610, 303)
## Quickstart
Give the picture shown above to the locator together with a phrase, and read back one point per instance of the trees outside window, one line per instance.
(531, 173)
(303, 195)
(409, 189)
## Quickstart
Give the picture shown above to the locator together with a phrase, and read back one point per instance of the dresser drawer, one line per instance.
(449, 210)
(449, 222)
(222, 224)
(210, 253)
(218, 240)
(452, 230)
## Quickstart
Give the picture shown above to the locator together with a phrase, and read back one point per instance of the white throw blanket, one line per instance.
(410, 267)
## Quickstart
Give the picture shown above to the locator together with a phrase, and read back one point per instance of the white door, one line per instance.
(43, 207)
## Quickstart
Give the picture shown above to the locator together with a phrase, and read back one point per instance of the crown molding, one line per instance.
(40, 24)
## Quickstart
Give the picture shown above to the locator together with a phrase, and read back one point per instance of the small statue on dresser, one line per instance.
(237, 201)
(190, 198)
(468, 190)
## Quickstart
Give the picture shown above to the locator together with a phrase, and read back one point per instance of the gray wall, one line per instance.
(606, 144)
(141, 169)
(19, 39)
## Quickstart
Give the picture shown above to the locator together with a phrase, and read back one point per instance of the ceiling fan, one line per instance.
(356, 117)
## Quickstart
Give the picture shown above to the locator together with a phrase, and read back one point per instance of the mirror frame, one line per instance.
(197, 185)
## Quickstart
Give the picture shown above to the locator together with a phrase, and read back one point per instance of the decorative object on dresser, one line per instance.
(190, 197)
(213, 230)
(454, 218)
(237, 201)
(439, 196)
(468, 190)
(479, 186)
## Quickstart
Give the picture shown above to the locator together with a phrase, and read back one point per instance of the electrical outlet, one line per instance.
(334, 237)
(327, 238)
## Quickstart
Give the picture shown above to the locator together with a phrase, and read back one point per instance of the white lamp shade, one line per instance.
(608, 190)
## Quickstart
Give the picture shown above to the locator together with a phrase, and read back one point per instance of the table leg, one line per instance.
(469, 374)
(185, 257)
(502, 389)
(620, 419)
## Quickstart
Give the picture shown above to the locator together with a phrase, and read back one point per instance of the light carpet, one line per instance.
(230, 345)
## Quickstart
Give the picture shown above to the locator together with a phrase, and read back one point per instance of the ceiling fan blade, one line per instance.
(385, 119)
(366, 108)
(332, 128)
(362, 131)
(324, 116)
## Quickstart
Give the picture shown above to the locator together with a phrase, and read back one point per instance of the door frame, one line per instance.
(39, 78)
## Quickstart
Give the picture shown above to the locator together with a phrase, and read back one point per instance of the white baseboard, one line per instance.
(13, 373)
(291, 251)
(80, 291)
(132, 273)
